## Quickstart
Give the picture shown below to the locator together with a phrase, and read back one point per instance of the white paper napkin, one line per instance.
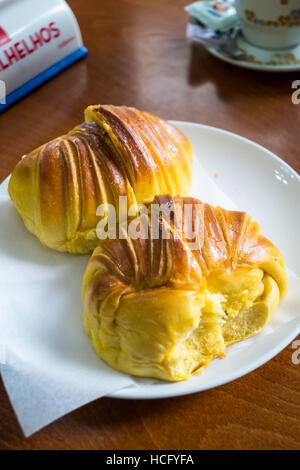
(48, 366)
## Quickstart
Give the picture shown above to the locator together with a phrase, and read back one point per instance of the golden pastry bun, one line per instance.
(159, 308)
(118, 151)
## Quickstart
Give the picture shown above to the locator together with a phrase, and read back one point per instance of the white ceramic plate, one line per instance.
(266, 60)
(264, 185)
(53, 344)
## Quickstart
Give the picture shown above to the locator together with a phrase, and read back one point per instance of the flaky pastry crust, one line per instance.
(118, 151)
(159, 308)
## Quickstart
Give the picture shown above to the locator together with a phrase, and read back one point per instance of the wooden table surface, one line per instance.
(138, 56)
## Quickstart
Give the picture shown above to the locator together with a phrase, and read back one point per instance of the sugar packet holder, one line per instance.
(37, 41)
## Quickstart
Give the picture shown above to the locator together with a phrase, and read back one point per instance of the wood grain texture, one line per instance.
(138, 56)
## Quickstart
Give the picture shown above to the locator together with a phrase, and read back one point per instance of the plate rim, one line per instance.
(252, 66)
(242, 138)
(135, 393)
(125, 394)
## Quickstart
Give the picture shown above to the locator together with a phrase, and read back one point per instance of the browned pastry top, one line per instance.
(119, 151)
(231, 239)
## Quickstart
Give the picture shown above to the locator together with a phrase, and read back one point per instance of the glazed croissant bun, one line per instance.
(157, 307)
(118, 151)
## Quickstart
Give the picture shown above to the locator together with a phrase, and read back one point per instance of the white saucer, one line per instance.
(267, 60)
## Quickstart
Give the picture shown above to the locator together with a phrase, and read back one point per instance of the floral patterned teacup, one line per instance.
(271, 24)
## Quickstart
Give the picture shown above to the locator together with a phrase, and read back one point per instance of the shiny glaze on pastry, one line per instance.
(118, 151)
(157, 308)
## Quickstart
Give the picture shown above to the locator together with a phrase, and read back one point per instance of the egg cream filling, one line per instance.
(143, 334)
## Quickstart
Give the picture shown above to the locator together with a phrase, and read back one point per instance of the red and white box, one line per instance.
(38, 39)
